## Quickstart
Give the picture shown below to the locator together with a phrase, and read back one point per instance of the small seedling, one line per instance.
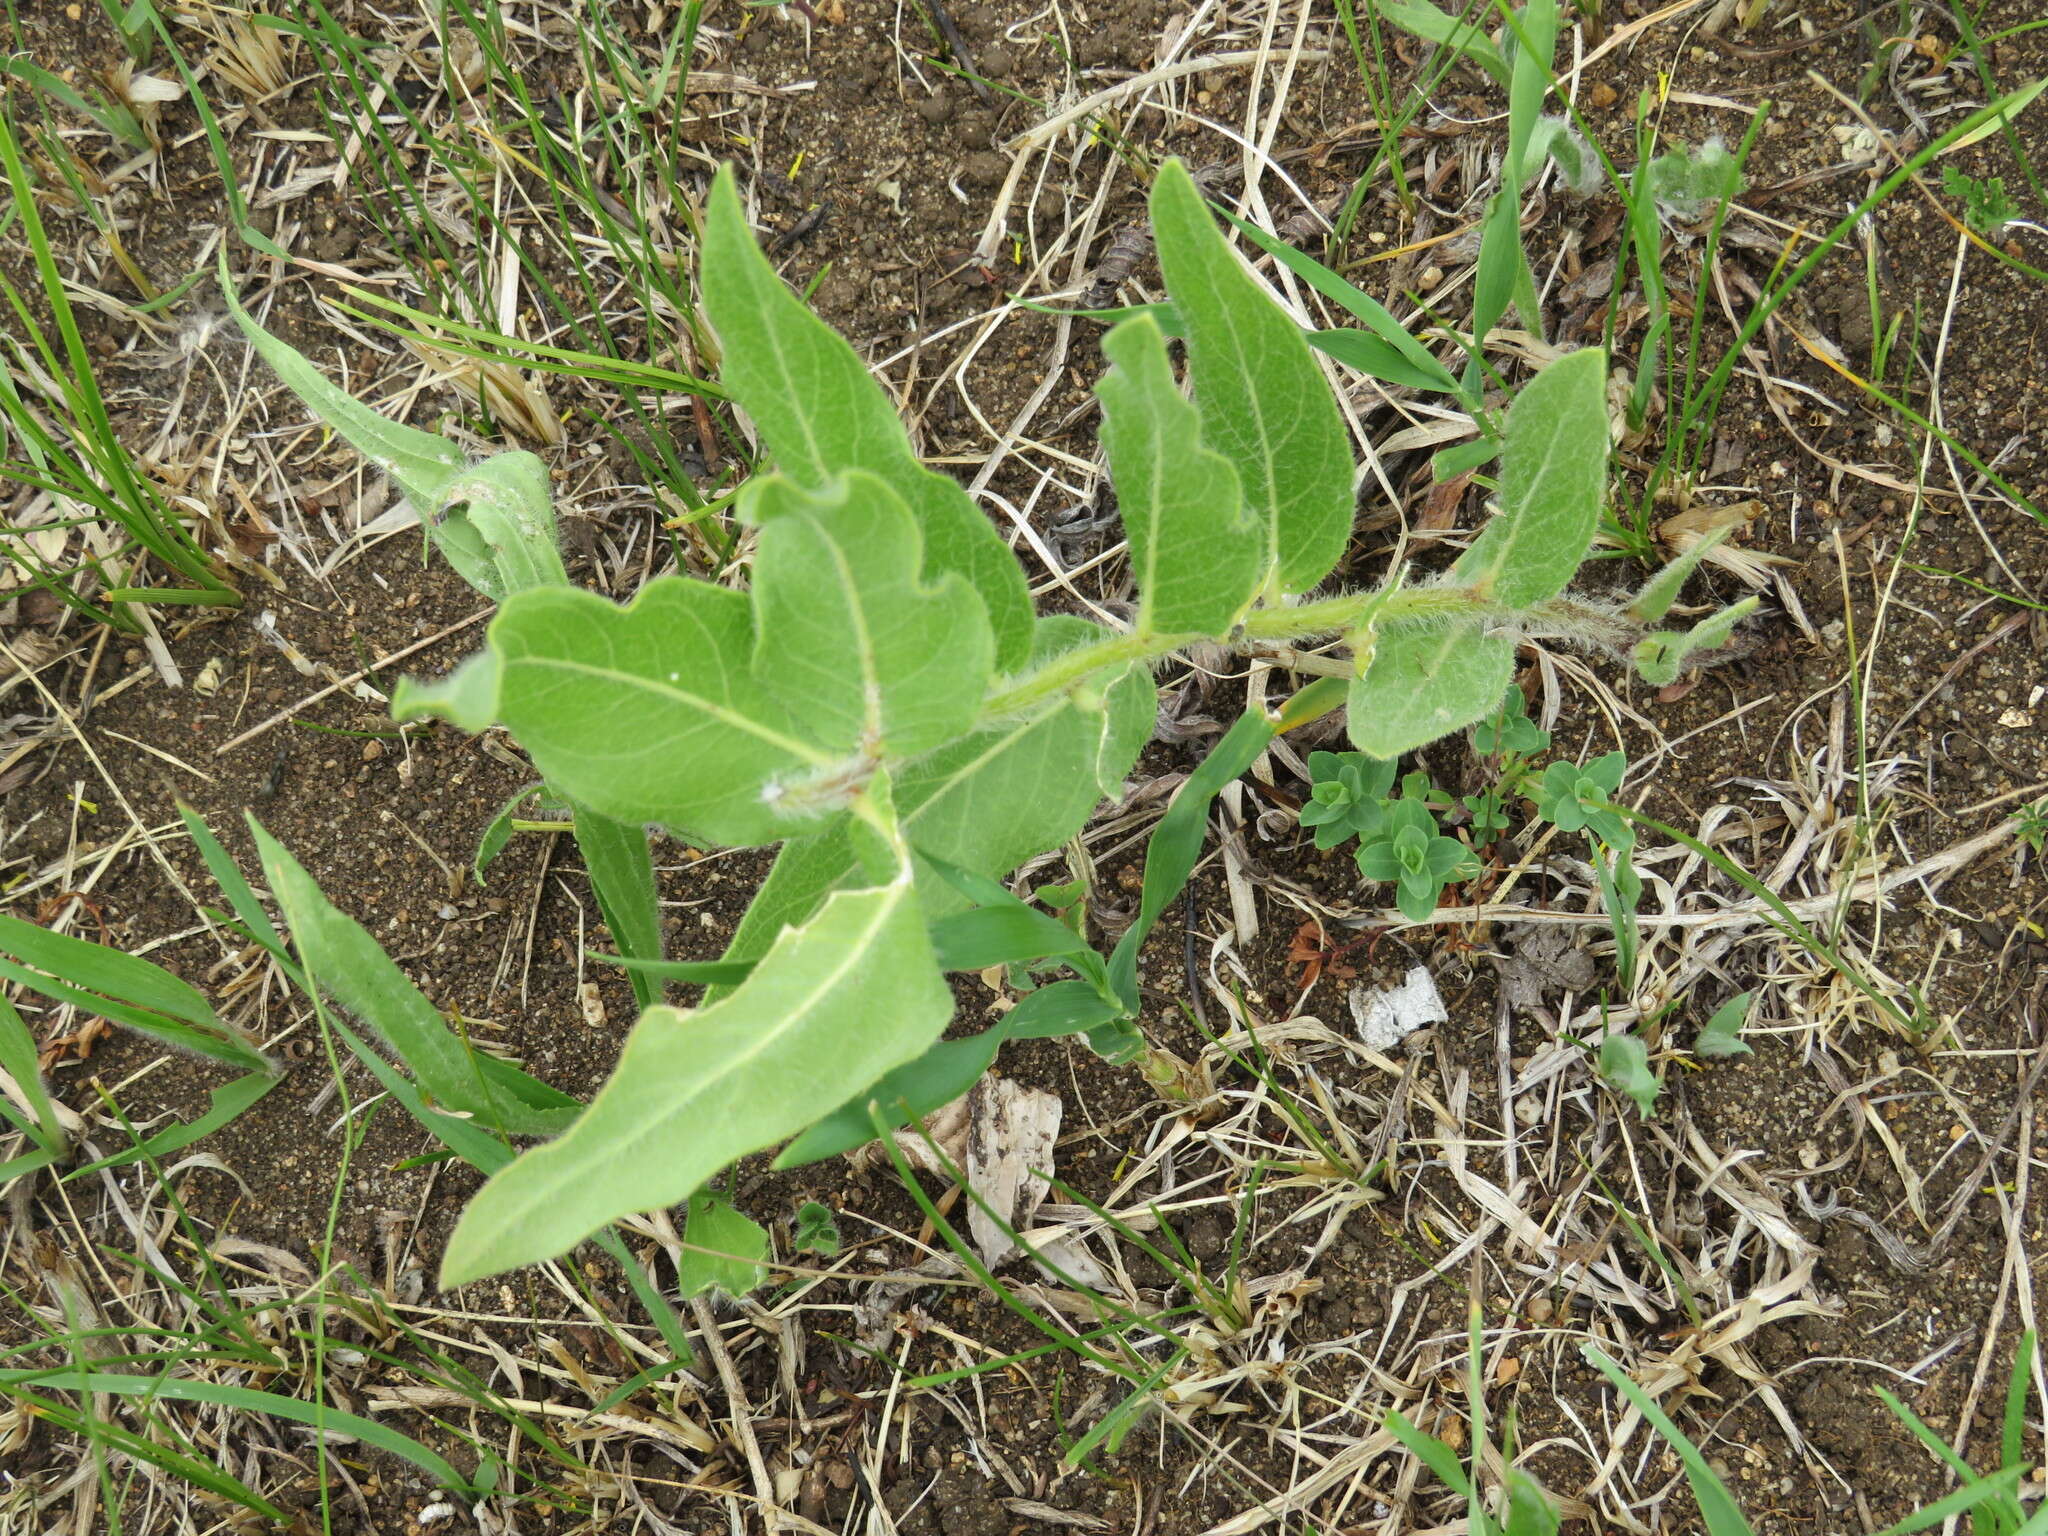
(1625, 1067)
(2031, 826)
(1408, 852)
(816, 1231)
(1347, 796)
(1722, 1034)
(1576, 798)
(1987, 207)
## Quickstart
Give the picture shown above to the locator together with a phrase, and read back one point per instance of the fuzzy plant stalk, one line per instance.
(874, 693)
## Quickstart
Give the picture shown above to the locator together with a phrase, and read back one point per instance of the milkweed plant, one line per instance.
(884, 703)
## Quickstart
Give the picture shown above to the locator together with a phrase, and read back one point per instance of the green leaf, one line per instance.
(1431, 1452)
(933, 1080)
(1433, 25)
(947, 1070)
(1007, 935)
(248, 1400)
(1375, 358)
(846, 997)
(647, 713)
(989, 801)
(1424, 681)
(1530, 1512)
(862, 652)
(98, 968)
(225, 1103)
(1064, 1008)
(1449, 463)
(1987, 206)
(724, 1250)
(1718, 1509)
(1625, 1066)
(1999, 1490)
(1535, 35)
(494, 521)
(1503, 268)
(124, 990)
(18, 1060)
(1175, 846)
(422, 464)
(1722, 1034)
(467, 697)
(1553, 486)
(1264, 403)
(499, 832)
(1659, 656)
(1403, 359)
(822, 415)
(1197, 554)
(621, 869)
(349, 966)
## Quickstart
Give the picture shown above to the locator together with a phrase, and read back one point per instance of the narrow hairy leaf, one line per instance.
(18, 1060)
(247, 1400)
(724, 1249)
(97, 968)
(1009, 935)
(1064, 1008)
(862, 651)
(1657, 595)
(225, 1103)
(1502, 270)
(350, 966)
(822, 414)
(1425, 681)
(1197, 554)
(494, 521)
(947, 1070)
(1264, 402)
(1371, 356)
(1659, 656)
(1431, 1452)
(844, 998)
(1535, 34)
(648, 713)
(422, 464)
(1553, 485)
(124, 990)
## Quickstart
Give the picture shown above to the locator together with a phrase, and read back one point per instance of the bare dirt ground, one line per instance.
(1851, 1206)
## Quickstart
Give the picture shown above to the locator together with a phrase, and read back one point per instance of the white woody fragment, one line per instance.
(1387, 1016)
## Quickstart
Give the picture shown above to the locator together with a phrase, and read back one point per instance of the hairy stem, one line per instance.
(1331, 615)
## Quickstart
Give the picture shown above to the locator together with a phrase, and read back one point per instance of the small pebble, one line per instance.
(372, 750)
(935, 109)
